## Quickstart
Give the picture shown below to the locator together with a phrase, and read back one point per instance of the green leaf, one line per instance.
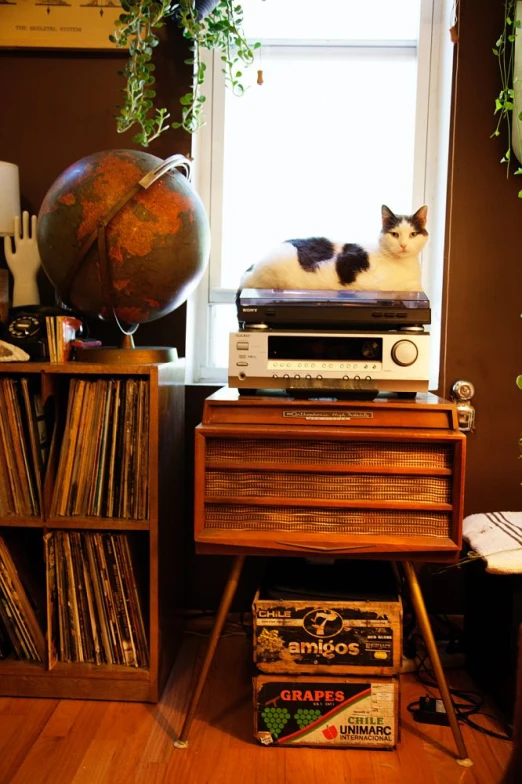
(221, 30)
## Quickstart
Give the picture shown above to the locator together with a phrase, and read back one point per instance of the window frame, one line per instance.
(429, 183)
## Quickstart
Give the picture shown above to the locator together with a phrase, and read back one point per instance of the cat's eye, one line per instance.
(413, 233)
(394, 233)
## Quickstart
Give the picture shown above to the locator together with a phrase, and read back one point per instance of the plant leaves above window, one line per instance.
(207, 24)
(508, 103)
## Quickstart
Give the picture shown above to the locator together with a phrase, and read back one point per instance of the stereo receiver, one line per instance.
(299, 361)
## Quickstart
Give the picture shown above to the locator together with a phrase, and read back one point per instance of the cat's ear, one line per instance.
(421, 216)
(387, 215)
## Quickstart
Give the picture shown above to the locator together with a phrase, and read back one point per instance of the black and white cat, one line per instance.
(319, 263)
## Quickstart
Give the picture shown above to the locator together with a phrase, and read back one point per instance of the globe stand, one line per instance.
(127, 354)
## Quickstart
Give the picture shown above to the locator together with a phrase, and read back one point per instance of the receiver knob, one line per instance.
(404, 352)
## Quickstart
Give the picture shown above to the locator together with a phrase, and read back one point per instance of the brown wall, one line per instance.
(59, 107)
(484, 278)
(482, 341)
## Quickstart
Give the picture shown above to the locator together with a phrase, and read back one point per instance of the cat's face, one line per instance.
(403, 235)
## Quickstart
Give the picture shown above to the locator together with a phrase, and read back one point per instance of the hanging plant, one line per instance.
(208, 24)
(508, 103)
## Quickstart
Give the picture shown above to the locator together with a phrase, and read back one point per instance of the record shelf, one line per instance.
(91, 520)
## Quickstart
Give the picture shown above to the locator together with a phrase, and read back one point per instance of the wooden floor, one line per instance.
(66, 741)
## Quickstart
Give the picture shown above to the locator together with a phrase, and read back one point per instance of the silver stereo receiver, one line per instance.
(350, 362)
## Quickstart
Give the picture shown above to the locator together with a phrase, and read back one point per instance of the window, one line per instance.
(353, 113)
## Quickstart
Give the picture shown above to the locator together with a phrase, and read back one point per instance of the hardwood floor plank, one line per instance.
(96, 761)
(76, 742)
(21, 723)
(6, 705)
(130, 733)
(153, 773)
(56, 756)
(386, 768)
(62, 719)
(328, 764)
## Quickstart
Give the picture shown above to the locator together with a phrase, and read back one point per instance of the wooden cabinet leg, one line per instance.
(429, 640)
(224, 606)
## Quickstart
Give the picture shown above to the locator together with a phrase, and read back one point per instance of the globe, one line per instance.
(123, 234)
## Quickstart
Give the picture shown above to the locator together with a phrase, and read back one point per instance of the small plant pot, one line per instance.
(202, 7)
(205, 7)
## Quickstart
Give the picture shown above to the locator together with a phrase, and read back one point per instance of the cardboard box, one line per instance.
(305, 633)
(333, 712)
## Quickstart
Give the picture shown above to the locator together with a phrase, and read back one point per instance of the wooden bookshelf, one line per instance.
(145, 441)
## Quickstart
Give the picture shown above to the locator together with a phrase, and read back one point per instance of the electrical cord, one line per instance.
(463, 711)
(473, 701)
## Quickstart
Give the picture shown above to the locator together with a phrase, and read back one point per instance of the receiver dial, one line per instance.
(404, 353)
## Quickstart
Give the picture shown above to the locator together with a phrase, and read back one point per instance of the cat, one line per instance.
(320, 263)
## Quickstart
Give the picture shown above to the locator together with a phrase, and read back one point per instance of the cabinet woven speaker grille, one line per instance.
(319, 486)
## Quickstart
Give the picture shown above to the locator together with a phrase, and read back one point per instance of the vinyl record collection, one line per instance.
(107, 477)
(95, 609)
(23, 448)
(93, 602)
(61, 330)
(20, 628)
(90, 459)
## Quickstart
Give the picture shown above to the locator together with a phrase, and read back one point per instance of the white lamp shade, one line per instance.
(9, 197)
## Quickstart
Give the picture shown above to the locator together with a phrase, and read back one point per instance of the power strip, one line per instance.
(431, 711)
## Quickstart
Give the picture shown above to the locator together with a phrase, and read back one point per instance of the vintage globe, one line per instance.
(123, 234)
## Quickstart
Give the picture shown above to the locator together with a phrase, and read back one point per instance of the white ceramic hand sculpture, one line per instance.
(24, 261)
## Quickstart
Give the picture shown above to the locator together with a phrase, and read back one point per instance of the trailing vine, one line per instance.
(220, 29)
(505, 100)
(135, 29)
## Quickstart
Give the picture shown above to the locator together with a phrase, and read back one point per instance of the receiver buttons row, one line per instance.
(308, 376)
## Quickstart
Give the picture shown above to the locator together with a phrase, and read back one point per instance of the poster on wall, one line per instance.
(58, 24)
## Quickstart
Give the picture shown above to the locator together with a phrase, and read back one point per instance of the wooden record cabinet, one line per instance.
(381, 479)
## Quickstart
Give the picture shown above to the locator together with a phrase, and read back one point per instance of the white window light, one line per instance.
(338, 128)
